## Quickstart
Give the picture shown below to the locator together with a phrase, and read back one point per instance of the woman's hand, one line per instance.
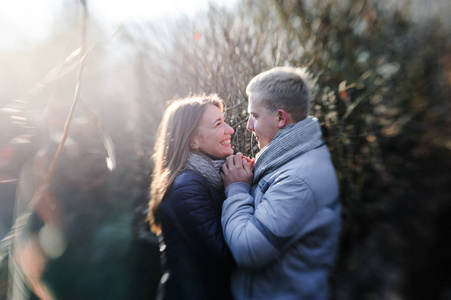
(237, 168)
(251, 161)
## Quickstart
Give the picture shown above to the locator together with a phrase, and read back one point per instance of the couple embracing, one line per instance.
(231, 227)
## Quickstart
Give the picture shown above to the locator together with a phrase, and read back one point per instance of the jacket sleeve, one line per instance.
(257, 236)
(198, 220)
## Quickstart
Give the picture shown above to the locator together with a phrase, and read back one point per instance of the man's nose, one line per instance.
(250, 125)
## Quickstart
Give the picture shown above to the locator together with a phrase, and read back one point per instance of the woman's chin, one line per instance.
(226, 154)
(226, 151)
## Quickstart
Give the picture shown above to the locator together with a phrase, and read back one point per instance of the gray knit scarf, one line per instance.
(290, 142)
(207, 167)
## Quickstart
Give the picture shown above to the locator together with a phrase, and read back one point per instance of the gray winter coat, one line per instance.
(283, 231)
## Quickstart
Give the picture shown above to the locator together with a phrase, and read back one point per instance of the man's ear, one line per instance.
(282, 118)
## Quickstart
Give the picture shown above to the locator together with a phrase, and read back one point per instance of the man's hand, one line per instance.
(237, 168)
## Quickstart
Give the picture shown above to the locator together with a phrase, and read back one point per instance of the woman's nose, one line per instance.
(229, 129)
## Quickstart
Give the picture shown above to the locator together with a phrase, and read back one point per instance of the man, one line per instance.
(282, 222)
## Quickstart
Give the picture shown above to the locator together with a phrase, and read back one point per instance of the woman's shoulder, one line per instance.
(188, 192)
(188, 178)
(188, 183)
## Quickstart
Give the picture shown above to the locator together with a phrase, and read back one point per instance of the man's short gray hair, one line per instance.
(283, 88)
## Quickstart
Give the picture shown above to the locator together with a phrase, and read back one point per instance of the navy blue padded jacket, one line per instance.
(196, 260)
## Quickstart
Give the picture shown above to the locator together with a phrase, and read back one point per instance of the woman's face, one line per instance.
(213, 134)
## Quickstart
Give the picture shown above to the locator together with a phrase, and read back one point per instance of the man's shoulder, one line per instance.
(314, 157)
(310, 165)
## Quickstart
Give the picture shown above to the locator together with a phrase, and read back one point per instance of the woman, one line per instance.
(186, 199)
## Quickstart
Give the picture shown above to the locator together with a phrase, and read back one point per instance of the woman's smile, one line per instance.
(214, 134)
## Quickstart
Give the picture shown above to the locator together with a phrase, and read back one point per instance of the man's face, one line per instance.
(261, 122)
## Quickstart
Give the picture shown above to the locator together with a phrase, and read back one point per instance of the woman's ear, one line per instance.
(282, 118)
(194, 143)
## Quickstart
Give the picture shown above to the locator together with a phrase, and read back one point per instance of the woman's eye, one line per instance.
(218, 124)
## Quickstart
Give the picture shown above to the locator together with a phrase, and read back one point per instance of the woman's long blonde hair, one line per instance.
(177, 128)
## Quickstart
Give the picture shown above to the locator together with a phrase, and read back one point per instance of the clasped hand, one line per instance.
(237, 168)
